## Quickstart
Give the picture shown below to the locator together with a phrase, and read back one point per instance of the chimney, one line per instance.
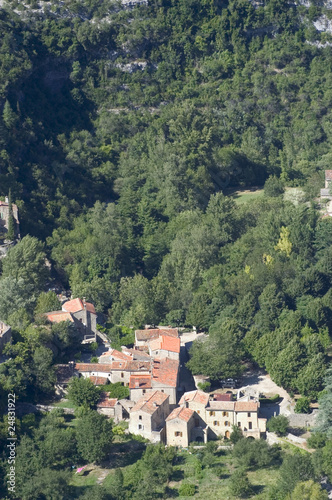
(6, 199)
(136, 384)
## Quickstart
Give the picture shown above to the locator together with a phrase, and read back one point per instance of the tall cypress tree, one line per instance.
(11, 220)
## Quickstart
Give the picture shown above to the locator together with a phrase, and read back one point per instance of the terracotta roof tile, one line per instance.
(196, 396)
(165, 343)
(105, 401)
(113, 354)
(221, 405)
(76, 305)
(153, 333)
(98, 380)
(150, 402)
(93, 367)
(222, 397)
(182, 413)
(136, 366)
(58, 316)
(140, 382)
(165, 371)
(246, 406)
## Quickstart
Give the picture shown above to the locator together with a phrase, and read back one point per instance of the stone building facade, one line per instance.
(148, 416)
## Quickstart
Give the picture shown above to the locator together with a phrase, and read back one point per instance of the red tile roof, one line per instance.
(328, 175)
(116, 355)
(165, 343)
(93, 367)
(137, 366)
(165, 371)
(58, 316)
(153, 333)
(105, 401)
(182, 413)
(150, 402)
(98, 380)
(195, 396)
(222, 397)
(76, 305)
(246, 406)
(140, 382)
(221, 405)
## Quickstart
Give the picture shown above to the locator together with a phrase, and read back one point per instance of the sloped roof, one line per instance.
(58, 316)
(149, 403)
(76, 305)
(98, 380)
(181, 413)
(140, 382)
(153, 333)
(166, 343)
(196, 396)
(64, 373)
(93, 367)
(136, 366)
(116, 355)
(246, 406)
(222, 397)
(221, 406)
(105, 401)
(165, 371)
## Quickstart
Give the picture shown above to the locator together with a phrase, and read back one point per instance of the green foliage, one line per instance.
(295, 468)
(117, 390)
(278, 424)
(254, 453)
(47, 302)
(11, 221)
(239, 484)
(317, 440)
(204, 386)
(187, 490)
(94, 437)
(308, 490)
(236, 434)
(273, 187)
(302, 406)
(324, 418)
(82, 392)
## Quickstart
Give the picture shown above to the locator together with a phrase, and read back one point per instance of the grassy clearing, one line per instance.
(247, 195)
(64, 404)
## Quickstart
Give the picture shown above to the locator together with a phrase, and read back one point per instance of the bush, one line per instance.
(94, 359)
(317, 440)
(255, 453)
(187, 490)
(117, 390)
(272, 400)
(204, 386)
(236, 434)
(273, 187)
(278, 425)
(302, 405)
(239, 484)
(82, 392)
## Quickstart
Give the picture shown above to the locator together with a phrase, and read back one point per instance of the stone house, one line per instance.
(5, 335)
(143, 337)
(114, 355)
(116, 371)
(216, 417)
(64, 373)
(79, 312)
(325, 193)
(165, 346)
(179, 426)
(111, 407)
(148, 416)
(163, 377)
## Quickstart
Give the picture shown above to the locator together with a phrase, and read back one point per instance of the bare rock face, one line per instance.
(54, 80)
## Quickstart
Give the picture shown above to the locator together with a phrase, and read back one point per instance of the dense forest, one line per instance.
(124, 133)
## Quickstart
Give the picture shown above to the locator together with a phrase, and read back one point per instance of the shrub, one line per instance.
(302, 405)
(117, 390)
(236, 434)
(278, 425)
(94, 359)
(273, 187)
(187, 490)
(239, 484)
(204, 386)
(317, 440)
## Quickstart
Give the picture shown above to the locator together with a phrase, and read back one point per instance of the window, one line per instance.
(140, 426)
(144, 391)
(239, 424)
(212, 413)
(249, 414)
(226, 424)
(178, 434)
(122, 375)
(250, 425)
(215, 422)
(140, 417)
(225, 413)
